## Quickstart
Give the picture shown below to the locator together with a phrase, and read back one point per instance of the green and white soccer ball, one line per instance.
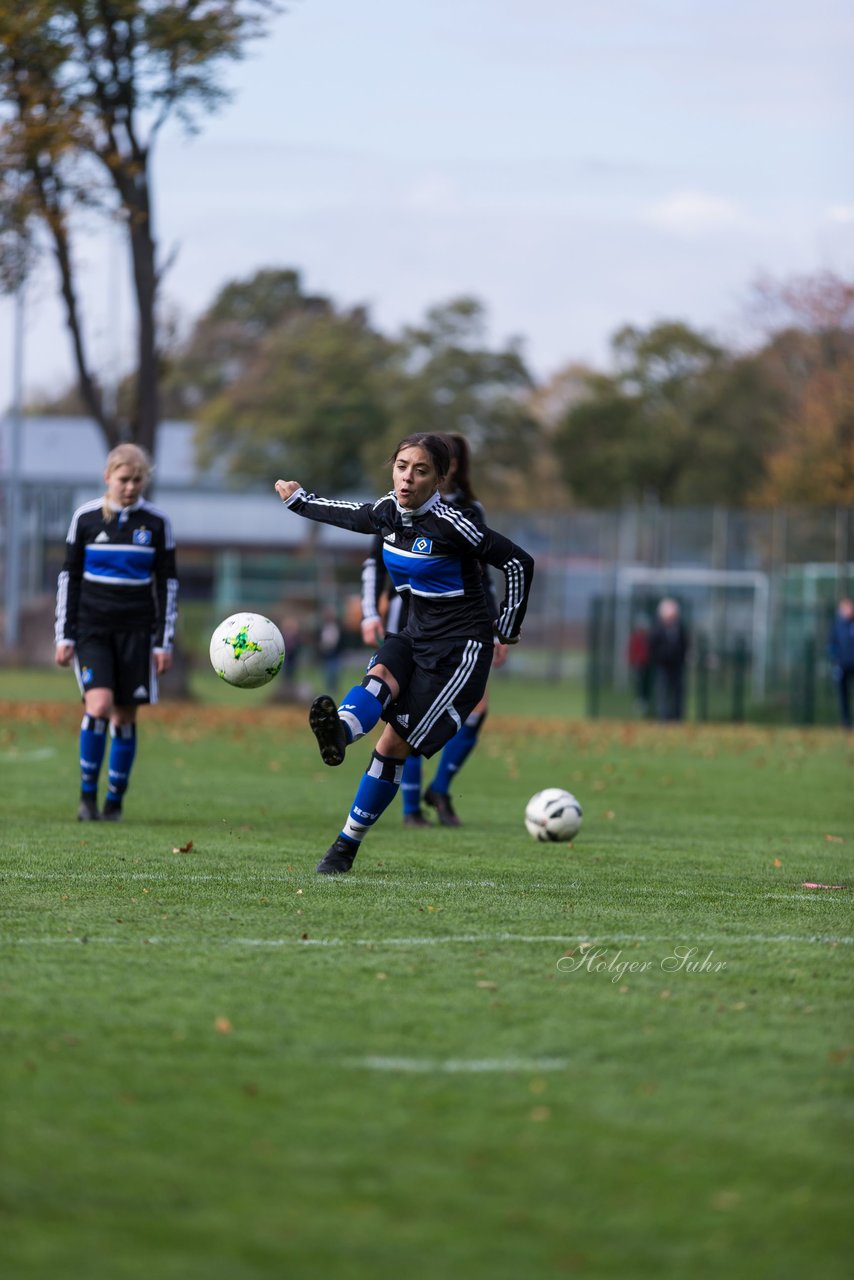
(553, 815)
(247, 650)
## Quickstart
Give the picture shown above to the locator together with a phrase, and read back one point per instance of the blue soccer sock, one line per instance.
(410, 788)
(379, 785)
(122, 752)
(456, 752)
(93, 741)
(362, 707)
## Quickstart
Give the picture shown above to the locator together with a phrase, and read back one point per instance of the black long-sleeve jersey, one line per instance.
(434, 555)
(118, 573)
(375, 577)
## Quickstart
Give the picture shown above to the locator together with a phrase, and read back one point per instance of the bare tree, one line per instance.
(85, 88)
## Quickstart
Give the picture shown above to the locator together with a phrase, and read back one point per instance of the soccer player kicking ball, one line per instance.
(424, 681)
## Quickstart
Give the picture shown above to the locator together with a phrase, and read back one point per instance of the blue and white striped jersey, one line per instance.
(375, 576)
(434, 556)
(118, 573)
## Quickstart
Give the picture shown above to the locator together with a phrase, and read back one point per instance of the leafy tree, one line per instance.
(307, 404)
(446, 378)
(738, 420)
(85, 88)
(228, 336)
(599, 444)
(815, 463)
(303, 389)
(680, 419)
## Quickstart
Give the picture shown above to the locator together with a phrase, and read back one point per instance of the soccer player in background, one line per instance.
(456, 490)
(425, 681)
(116, 606)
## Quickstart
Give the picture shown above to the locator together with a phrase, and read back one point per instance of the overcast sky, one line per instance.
(576, 166)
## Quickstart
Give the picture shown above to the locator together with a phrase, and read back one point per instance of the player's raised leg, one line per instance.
(335, 728)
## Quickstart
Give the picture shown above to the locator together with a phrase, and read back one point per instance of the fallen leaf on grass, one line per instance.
(223, 1026)
(834, 839)
(182, 848)
(725, 1200)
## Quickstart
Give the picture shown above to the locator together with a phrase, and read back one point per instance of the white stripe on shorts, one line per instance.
(445, 700)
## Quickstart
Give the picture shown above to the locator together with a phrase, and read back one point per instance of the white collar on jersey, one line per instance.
(407, 514)
(118, 508)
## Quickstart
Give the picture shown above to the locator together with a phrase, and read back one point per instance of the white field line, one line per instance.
(27, 757)
(237, 877)
(261, 878)
(459, 1066)
(460, 939)
(325, 883)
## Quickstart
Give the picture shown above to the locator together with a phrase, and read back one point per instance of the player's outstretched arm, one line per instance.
(357, 516)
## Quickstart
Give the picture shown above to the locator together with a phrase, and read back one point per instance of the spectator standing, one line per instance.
(840, 650)
(668, 651)
(639, 665)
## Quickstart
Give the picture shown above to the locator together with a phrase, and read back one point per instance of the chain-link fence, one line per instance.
(757, 591)
(757, 588)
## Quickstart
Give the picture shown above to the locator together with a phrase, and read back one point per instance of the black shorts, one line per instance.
(440, 685)
(117, 660)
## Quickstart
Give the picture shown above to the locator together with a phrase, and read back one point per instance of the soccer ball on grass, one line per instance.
(247, 650)
(553, 815)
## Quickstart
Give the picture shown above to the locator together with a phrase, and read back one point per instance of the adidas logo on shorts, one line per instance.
(140, 691)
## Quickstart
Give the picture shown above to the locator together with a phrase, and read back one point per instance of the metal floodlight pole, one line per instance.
(13, 497)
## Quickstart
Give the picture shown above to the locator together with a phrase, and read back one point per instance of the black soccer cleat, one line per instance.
(327, 728)
(416, 819)
(112, 812)
(444, 809)
(339, 857)
(88, 811)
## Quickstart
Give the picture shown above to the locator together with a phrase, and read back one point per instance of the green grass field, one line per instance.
(475, 1057)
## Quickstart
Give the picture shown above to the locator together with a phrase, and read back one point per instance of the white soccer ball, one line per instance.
(247, 650)
(553, 814)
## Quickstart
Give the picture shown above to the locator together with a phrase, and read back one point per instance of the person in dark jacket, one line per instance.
(668, 651)
(840, 650)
